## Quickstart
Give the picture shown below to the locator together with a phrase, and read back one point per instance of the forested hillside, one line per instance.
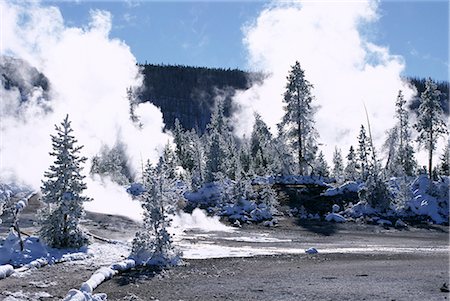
(188, 93)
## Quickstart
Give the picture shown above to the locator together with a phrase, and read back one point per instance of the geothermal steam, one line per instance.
(88, 73)
(346, 69)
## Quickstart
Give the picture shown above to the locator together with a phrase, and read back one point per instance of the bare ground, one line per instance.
(334, 276)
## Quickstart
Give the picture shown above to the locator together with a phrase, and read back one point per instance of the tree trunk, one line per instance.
(430, 158)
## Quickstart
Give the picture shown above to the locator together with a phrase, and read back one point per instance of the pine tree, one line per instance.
(405, 154)
(363, 153)
(297, 125)
(62, 191)
(112, 163)
(222, 159)
(153, 244)
(400, 160)
(338, 165)
(430, 121)
(444, 166)
(321, 166)
(351, 169)
(268, 197)
(261, 148)
(184, 146)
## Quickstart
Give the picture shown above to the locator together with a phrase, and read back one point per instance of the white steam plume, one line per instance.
(88, 73)
(346, 69)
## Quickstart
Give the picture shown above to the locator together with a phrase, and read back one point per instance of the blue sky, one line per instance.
(209, 33)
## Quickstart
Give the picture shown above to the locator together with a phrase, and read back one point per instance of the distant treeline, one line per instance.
(188, 93)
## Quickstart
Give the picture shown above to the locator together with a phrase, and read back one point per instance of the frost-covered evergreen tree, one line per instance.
(405, 153)
(297, 125)
(198, 155)
(62, 191)
(400, 153)
(351, 169)
(261, 148)
(268, 196)
(184, 144)
(321, 166)
(222, 159)
(444, 166)
(338, 165)
(363, 153)
(153, 244)
(133, 102)
(112, 163)
(430, 121)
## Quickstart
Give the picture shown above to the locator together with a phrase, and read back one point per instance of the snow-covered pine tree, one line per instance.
(351, 169)
(363, 153)
(62, 192)
(391, 147)
(297, 125)
(400, 153)
(113, 163)
(183, 149)
(320, 166)
(430, 122)
(444, 166)
(133, 102)
(198, 154)
(153, 244)
(268, 196)
(261, 148)
(405, 153)
(245, 159)
(338, 165)
(222, 159)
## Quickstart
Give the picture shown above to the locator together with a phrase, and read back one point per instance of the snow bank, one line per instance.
(99, 276)
(430, 199)
(6, 271)
(208, 194)
(246, 211)
(347, 187)
(76, 295)
(335, 217)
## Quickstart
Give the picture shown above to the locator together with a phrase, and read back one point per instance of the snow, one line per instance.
(400, 224)
(335, 217)
(384, 222)
(6, 270)
(76, 295)
(311, 251)
(347, 187)
(423, 203)
(136, 189)
(209, 193)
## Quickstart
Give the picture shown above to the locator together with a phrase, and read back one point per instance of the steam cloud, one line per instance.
(88, 74)
(346, 69)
